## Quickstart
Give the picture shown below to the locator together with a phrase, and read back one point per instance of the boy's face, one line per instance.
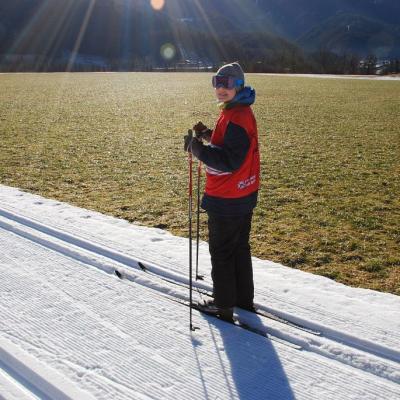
(224, 95)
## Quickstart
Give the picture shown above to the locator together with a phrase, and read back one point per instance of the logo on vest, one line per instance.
(247, 182)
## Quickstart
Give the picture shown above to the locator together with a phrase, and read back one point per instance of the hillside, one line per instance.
(310, 23)
(116, 29)
(345, 33)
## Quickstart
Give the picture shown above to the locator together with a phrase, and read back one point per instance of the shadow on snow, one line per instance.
(248, 362)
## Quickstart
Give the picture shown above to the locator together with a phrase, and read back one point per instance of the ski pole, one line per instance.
(198, 277)
(190, 162)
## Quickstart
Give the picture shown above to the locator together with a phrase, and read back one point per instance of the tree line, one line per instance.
(282, 61)
(129, 36)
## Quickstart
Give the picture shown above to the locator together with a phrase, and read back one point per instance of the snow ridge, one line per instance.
(335, 345)
(69, 328)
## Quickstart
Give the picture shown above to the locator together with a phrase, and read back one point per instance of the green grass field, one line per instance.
(330, 196)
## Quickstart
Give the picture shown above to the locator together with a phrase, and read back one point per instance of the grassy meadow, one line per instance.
(330, 197)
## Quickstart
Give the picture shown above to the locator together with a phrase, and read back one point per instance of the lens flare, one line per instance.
(168, 51)
(157, 4)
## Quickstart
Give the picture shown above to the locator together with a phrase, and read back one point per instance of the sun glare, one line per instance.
(81, 34)
(157, 4)
(168, 51)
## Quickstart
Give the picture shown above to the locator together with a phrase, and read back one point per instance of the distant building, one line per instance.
(190, 65)
(382, 67)
(372, 66)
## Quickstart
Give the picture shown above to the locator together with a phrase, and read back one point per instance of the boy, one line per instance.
(233, 173)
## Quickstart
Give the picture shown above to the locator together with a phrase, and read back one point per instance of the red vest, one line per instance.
(245, 180)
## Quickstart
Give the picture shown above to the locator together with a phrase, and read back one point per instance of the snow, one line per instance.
(332, 76)
(70, 329)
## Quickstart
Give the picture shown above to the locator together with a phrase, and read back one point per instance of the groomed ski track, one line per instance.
(69, 328)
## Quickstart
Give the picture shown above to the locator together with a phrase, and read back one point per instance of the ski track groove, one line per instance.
(75, 296)
(343, 392)
(309, 347)
(324, 317)
(73, 345)
(64, 266)
(142, 281)
(15, 389)
(352, 363)
(70, 240)
(73, 366)
(65, 251)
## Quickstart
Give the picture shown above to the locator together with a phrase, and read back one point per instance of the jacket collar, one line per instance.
(245, 97)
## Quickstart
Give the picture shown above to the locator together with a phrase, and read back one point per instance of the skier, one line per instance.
(231, 156)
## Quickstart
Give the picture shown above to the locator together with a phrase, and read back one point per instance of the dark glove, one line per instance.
(202, 132)
(192, 144)
(187, 146)
(196, 147)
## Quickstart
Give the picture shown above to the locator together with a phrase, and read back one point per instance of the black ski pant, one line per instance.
(232, 271)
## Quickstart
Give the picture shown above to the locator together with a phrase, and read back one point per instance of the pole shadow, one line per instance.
(255, 371)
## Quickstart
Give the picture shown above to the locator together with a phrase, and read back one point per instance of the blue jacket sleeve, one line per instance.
(231, 155)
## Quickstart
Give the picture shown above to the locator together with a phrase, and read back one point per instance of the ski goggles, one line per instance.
(227, 82)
